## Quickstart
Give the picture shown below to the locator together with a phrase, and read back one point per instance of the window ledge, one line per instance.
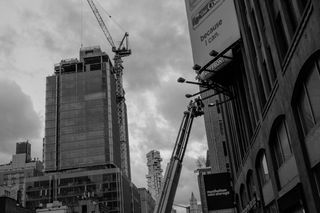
(297, 36)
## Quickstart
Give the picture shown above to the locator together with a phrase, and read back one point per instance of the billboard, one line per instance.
(213, 25)
(218, 190)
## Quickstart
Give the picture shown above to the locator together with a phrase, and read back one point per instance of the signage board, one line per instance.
(213, 25)
(218, 190)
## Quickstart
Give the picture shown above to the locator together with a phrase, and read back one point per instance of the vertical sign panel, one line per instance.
(213, 25)
(218, 191)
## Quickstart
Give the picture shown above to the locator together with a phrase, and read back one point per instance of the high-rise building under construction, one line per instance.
(154, 176)
(82, 149)
(81, 114)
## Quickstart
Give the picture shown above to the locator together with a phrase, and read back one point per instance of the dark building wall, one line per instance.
(272, 125)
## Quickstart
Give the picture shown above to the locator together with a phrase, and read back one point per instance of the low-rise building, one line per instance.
(13, 174)
(105, 186)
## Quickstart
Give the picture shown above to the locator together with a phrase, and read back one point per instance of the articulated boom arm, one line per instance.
(173, 171)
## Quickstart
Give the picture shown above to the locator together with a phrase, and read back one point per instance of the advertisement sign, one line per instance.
(218, 190)
(213, 25)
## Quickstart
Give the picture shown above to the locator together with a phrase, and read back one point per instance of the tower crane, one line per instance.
(121, 51)
(173, 171)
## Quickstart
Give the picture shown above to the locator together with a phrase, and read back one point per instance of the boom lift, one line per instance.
(173, 171)
(121, 51)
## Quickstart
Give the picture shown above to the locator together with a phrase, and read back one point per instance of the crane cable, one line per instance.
(81, 24)
(109, 15)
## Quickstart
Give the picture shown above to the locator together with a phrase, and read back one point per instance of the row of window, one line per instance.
(307, 108)
(251, 103)
(283, 17)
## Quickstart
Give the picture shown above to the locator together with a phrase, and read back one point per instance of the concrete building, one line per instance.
(154, 176)
(13, 174)
(272, 124)
(147, 202)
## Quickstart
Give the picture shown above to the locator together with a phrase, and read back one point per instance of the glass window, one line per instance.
(263, 170)
(281, 144)
(243, 197)
(308, 106)
(250, 186)
(305, 113)
(313, 89)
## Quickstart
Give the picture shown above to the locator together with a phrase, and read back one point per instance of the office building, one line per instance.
(82, 145)
(147, 202)
(154, 176)
(272, 122)
(81, 114)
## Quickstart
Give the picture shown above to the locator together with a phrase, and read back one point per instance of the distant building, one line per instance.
(194, 206)
(24, 148)
(146, 200)
(13, 174)
(154, 176)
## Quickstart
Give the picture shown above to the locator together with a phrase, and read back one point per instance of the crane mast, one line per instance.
(173, 170)
(121, 51)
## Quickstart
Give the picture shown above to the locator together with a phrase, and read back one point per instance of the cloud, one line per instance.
(37, 34)
(18, 119)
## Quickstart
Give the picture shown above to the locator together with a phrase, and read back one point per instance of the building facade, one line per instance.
(217, 154)
(272, 123)
(104, 186)
(13, 174)
(81, 114)
(147, 202)
(154, 176)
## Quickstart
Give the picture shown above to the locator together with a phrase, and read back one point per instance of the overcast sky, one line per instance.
(36, 34)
